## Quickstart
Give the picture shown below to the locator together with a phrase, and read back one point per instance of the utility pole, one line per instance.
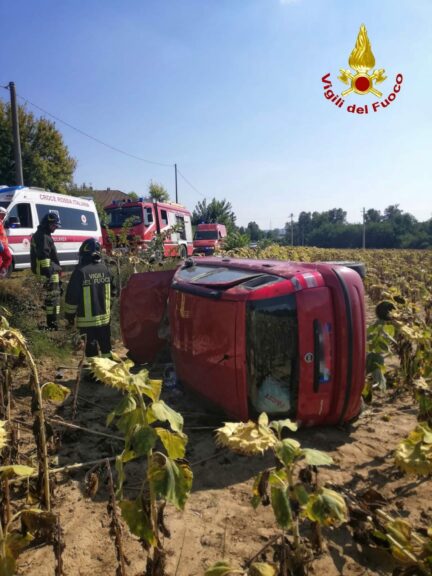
(292, 229)
(175, 173)
(364, 230)
(16, 136)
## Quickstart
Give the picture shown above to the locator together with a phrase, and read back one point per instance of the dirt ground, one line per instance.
(218, 522)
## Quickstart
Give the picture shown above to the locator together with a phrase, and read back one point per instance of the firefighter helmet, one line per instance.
(51, 219)
(90, 249)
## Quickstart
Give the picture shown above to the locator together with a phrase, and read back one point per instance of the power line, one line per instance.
(26, 100)
(99, 141)
(189, 183)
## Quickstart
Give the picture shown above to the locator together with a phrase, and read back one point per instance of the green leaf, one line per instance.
(287, 451)
(281, 506)
(279, 425)
(127, 405)
(54, 392)
(128, 422)
(151, 388)
(170, 480)
(16, 470)
(138, 520)
(374, 361)
(162, 412)
(316, 457)
(174, 442)
(327, 507)
(390, 330)
(128, 455)
(222, 569)
(301, 494)
(262, 569)
(144, 440)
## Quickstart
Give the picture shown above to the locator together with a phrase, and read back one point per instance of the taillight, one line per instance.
(322, 353)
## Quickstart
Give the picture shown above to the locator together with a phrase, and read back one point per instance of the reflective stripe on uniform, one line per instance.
(46, 263)
(71, 308)
(100, 320)
(88, 320)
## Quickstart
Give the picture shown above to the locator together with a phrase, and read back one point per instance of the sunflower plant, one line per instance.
(153, 431)
(289, 486)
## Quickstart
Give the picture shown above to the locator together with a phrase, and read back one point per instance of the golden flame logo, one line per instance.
(362, 60)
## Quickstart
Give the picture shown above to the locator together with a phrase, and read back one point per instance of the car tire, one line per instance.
(358, 267)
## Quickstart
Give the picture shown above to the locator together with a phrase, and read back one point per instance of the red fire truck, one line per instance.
(208, 237)
(256, 335)
(145, 219)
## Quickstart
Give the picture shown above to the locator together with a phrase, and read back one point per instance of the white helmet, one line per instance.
(2, 210)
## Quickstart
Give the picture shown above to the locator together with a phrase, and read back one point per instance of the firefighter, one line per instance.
(88, 297)
(5, 254)
(45, 263)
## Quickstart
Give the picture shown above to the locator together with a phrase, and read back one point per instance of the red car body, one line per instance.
(256, 335)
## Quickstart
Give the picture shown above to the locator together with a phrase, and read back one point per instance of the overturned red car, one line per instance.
(282, 337)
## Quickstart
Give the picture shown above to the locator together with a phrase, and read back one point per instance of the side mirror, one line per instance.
(12, 222)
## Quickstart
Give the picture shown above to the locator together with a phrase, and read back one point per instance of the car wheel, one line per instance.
(358, 267)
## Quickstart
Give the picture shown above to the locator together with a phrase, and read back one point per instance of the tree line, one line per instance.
(48, 164)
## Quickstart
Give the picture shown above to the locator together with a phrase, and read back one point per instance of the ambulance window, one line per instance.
(148, 216)
(23, 213)
(70, 218)
(164, 217)
(180, 222)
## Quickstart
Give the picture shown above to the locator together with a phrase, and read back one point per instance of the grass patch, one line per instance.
(21, 296)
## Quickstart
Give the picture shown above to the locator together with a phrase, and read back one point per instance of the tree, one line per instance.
(158, 193)
(392, 212)
(305, 226)
(133, 196)
(254, 231)
(217, 211)
(82, 190)
(45, 157)
(373, 215)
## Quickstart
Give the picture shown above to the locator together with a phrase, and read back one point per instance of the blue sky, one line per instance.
(231, 91)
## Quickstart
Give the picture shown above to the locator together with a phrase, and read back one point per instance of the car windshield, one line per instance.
(118, 217)
(272, 351)
(206, 235)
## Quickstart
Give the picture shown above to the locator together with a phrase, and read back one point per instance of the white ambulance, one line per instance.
(25, 209)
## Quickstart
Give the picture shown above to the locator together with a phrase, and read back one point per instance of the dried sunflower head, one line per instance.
(247, 438)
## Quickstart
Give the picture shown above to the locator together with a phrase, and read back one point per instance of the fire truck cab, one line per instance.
(208, 237)
(255, 336)
(146, 219)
